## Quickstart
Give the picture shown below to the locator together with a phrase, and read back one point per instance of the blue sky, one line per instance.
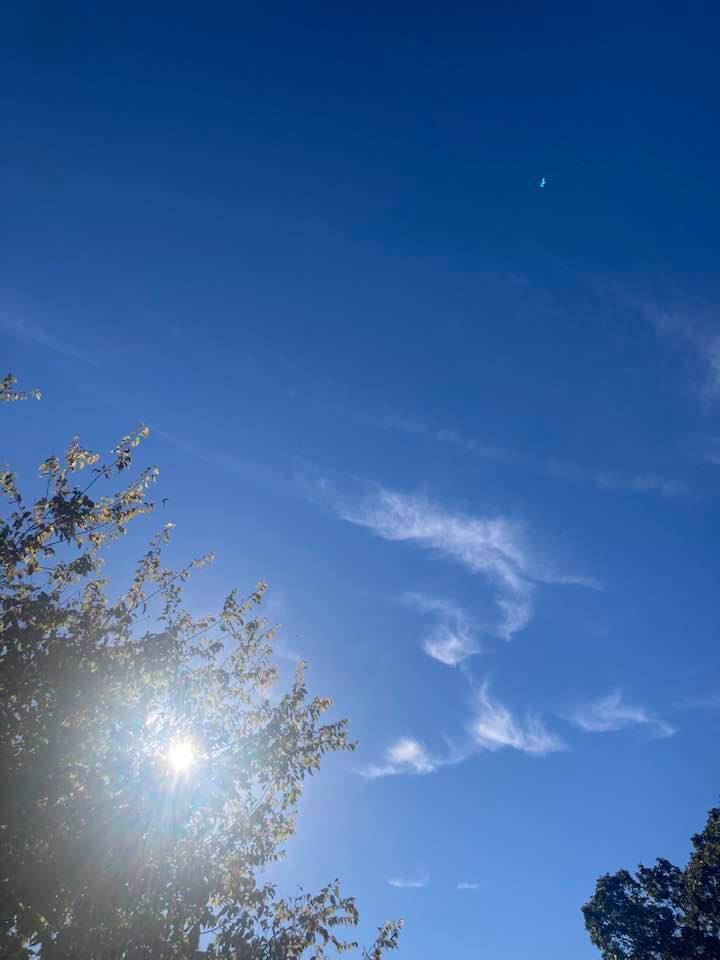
(467, 428)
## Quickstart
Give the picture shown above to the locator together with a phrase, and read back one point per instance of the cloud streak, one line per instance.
(552, 467)
(712, 453)
(403, 884)
(644, 483)
(451, 640)
(707, 702)
(467, 885)
(405, 756)
(487, 451)
(701, 336)
(493, 547)
(489, 546)
(494, 728)
(14, 327)
(611, 713)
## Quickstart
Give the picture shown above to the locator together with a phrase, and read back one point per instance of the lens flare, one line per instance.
(181, 755)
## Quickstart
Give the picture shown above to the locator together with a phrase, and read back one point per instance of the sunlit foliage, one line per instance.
(108, 850)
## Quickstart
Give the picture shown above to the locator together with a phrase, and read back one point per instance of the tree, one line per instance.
(663, 912)
(148, 779)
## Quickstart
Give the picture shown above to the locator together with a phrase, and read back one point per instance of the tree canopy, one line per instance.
(148, 778)
(662, 912)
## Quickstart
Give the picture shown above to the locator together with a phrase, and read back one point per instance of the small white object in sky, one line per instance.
(543, 181)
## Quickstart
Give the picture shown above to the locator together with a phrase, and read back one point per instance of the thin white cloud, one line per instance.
(707, 702)
(411, 753)
(712, 453)
(712, 358)
(516, 614)
(448, 645)
(611, 713)
(226, 461)
(404, 884)
(467, 885)
(488, 545)
(576, 580)
(644, 483)
(405, 756)
(493, 728)
(487, 451)
(698, 330)
(451, 639)
(21, 330)
(547, 466)
(492, 546)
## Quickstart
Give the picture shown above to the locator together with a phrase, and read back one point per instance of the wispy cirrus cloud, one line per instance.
(467, 885)
(552, 467)
(712, 451)
(452, 438)
(494, 547)
(405, 756)
(611, 713)
(494, 728)
(643, 483)
(451, 639)
(402, 883)
(712, 358)
(708, 701)
(490, 546)
(700, 330)
(20, 329)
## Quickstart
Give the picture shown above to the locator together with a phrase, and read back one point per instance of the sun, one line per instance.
(181, 755)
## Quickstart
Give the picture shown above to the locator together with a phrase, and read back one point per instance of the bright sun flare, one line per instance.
(181, 755)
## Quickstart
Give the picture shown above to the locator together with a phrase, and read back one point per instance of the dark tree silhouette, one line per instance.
(662, 912)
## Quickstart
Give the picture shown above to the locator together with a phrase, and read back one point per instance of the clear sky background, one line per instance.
(467, 427)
